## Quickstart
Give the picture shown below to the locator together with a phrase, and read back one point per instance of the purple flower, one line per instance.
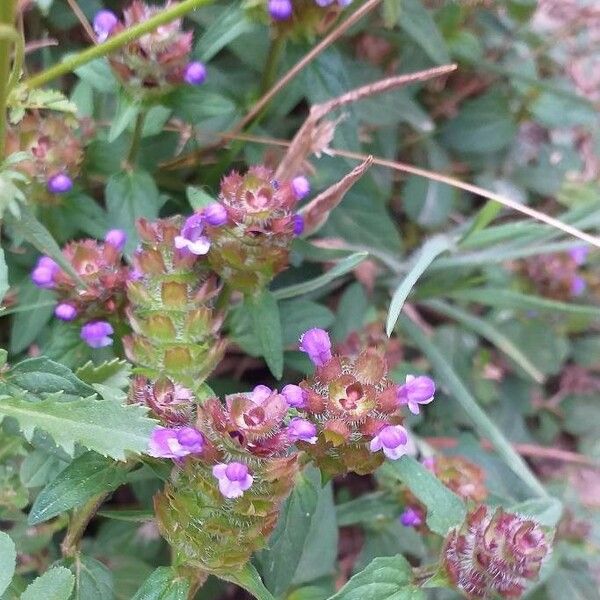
(280, 10)
(301, 187)
(195, 73)
(316, 343)
(191, 237)
(215, 214)
(175, 442)
(416, 390)
(260, 393)
(116, 238)
(578, 285)
(234, 479)
(97, 334)
(323, 3)
(344, 3)
(579, 254)
(44, 272)
(302, 430)
(411, 517)
(392, 439)
(65, 312)
(429, 463)
(298, 224)
(294, 395)
(104, 23)
(60, 183)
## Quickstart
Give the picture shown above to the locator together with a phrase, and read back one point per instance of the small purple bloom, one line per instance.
(175, 442)
(97, 334)
(65, 312)
(578, 285)
(191, 237)
(280, 10)
(411, 517)
(44, 272)
(301, 187)
(416, 390)
(60, 183)
(298, 224)
(104, 23)
(316, 343)
(302, 430)
(392, 439)
(234, 479)
(429, 463)
(260, 393)
(294, 395)
(195, 73)
(116, 238)
(579, 254)
(215, 214)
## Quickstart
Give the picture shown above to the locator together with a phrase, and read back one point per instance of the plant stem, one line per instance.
(270, 73)
(136, 139)
(79, 523)
(7, 19)
(113, 43)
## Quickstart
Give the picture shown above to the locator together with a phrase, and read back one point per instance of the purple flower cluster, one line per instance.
(191, 238)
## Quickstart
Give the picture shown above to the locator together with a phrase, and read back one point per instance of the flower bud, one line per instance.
(316, 343)
(195, 73)
(44, 273)
(301, 430)
(65, 312)
(295, 396)
(116, 238)
(215, 214)
(494, 554)
(301, 187)
(60, 183)
(280, 10)
(411, 517)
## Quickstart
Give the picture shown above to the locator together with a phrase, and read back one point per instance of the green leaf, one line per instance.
(94, 581)
(3, 276)
(126, 113)
(88, 475)
(26, 326)
(38, 236)
(109, 378)
(445, 510)
(341, 268)
(8, 560)
(502, 298)
(427, 202)
(483, 217)
(99, 75)
(164, 584)
(376, 506)
(39, 467)
(266, 321)
(249, 579)
(430, 250)
(100, 425)
(55, 584)
(197, 197)
(42, 375)
(486, 330)
(299, 315)
(131, 195)
(416, 22)
(280, 561)
(546, 511)
(448, 378)
(386, 578)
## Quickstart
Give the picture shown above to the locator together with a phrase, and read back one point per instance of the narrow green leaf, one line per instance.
(55, 584)
(3, 276)
(249, 579)
(280, 561)
(482, 422)
(8, 560)
(264, 311)
(39, 237)
(341, 268)
(134, 516)
(197, 197)
(430, 250)
(88, 475)
(101, 425)
(445, 510)
(502, 298)
(126, 113)
(385, 578)
(164, 584)
(487, 331)
(484, 216)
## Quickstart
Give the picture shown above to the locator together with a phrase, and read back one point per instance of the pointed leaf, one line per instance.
(55, 584)
(249, 579)
(8, 560)
(264, 311)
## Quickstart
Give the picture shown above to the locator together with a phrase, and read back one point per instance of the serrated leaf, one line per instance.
(8, 560)
(264, 312)
(279, 561)
(55, 584)
(94, 581)
(88, 475)
(101, 425)
(109, 378)
(445, 509)
(42, 375)
(386, 578)
(163, 584)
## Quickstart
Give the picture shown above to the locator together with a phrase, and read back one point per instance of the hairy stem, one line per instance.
(7, 21)
(113, 43)
(78, 524)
